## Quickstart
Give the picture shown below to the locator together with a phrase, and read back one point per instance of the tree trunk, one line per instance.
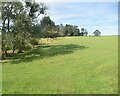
(6, 54)
(3, 55)
(14, 48)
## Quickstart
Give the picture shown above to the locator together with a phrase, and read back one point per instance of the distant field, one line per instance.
(74, 65)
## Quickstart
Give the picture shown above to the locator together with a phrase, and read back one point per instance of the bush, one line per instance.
(34, 42)
(27, 47)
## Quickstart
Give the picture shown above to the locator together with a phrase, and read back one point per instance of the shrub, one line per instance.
(33, 42)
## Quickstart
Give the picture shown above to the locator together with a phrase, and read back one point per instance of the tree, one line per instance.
(85, 32)
(22, 31)
(82, 31)
(76, 31)
(69, 30)
(9, 13)
(17, 23)
(62, 30)
(48, 27)
(34, 10)
(96, 33)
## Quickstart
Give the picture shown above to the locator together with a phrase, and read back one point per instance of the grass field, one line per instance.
(74, 65)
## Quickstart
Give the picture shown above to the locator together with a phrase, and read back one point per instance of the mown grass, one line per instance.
(74, 65)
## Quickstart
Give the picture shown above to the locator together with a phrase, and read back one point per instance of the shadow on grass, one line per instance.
(44, 51)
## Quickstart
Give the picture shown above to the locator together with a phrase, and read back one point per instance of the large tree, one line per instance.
(9, 12)
(17, 21)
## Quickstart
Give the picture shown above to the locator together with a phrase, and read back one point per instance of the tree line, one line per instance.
(48, 28)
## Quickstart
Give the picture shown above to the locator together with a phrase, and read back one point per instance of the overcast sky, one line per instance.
(90, 15)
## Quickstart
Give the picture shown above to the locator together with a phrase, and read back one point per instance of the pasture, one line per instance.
(67, 65)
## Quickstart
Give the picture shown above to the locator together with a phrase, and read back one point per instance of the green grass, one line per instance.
(74, 65)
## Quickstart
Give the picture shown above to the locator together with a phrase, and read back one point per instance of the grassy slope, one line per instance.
(83, 65)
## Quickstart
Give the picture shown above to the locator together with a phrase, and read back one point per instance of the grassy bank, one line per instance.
(75, 65)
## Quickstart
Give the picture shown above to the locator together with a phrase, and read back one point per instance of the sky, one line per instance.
(89, 15)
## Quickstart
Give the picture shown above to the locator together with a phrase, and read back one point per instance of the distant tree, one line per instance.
(76, 30)
(96, 33)
(82, 32)
(67, 29)
(82, 29)
(85, 32)
(48, 27)
(62, 30)
(71, 30)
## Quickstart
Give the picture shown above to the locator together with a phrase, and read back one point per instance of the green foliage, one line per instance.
(22, 32)
(48, 27)
(46, 22)
(84, 32)
(9, 12)
(33, 41)
(7, 41)
(71, 30)
(17, 23)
